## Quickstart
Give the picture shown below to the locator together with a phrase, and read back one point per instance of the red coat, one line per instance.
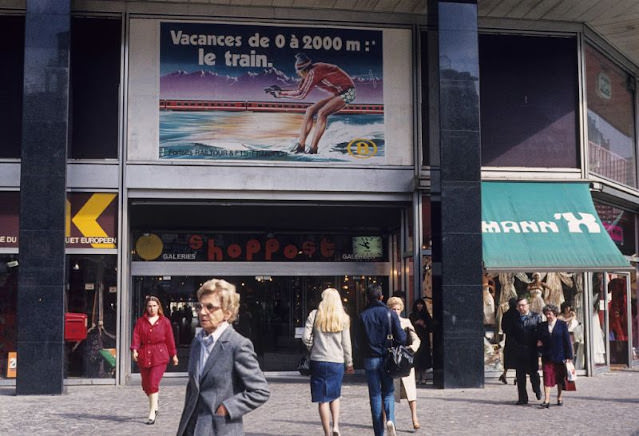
(155, 343)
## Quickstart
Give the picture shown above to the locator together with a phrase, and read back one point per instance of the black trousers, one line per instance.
(521, 373)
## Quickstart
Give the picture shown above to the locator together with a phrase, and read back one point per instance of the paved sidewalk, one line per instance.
(603, 405)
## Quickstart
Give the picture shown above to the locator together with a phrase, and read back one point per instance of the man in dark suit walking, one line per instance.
(523, 345)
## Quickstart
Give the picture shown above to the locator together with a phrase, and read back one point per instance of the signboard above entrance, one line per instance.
(264, 247)
(541, 226)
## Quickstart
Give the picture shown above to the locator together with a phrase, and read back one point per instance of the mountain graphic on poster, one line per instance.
(208, 85)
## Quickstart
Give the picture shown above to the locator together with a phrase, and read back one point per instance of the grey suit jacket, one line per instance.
(231, 376)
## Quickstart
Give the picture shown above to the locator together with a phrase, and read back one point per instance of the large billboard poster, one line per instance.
(250, 92)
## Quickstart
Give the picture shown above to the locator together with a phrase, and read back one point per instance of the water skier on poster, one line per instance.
(327, 77)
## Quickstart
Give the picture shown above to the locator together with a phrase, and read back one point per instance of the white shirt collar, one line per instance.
(216, 333)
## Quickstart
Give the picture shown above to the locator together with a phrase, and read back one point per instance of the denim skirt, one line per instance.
(326, 381)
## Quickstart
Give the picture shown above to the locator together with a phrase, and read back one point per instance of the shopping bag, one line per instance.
(571, 373)
(569, 385)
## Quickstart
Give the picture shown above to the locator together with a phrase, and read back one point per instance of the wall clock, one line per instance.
(367, 247)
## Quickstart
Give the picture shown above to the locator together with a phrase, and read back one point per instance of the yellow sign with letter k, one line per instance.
(86, 222)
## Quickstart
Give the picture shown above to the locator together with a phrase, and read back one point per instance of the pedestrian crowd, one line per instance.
(225, 381)
(532, 344)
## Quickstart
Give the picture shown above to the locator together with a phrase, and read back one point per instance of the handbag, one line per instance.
(304, 364)
(398, 360)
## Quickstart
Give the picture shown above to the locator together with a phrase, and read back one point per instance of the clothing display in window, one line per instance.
(488, 291)
(555, 293)
(536, 289)
(618, 309)
(598, 345)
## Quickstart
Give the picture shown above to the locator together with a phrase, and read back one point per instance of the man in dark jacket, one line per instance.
(523, 346)
(508, 321)
(375, 327)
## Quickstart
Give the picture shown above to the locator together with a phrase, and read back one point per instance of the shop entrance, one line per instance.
(279, 256)
(273, 310)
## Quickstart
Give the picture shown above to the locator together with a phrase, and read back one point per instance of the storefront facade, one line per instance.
(181, 166)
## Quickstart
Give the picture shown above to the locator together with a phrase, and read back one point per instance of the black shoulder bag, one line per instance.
(304, 364)
(399, 358)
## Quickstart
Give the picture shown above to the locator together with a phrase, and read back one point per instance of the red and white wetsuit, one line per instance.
(329, 78)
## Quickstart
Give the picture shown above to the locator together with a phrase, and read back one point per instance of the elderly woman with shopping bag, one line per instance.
(556, 350)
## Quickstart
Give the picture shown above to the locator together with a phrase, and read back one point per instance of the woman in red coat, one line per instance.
(152, 345)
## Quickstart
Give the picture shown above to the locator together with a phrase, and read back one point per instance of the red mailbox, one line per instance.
(75, 327)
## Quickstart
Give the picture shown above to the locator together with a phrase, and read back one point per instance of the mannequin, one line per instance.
(536, 289)
(488, 289)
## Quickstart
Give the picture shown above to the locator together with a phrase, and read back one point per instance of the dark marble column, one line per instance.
(453, 78)
(45, 127)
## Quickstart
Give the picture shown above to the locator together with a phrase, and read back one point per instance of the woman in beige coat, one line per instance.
(405, 386)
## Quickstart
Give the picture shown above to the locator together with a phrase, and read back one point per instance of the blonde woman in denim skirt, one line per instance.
(327, 336)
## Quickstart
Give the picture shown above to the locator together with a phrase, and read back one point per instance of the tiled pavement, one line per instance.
(603, 405)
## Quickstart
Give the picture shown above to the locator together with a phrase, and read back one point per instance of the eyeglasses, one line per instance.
(209, 307)
(522, 304)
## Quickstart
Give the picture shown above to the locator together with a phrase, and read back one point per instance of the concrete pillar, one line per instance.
(45, 125)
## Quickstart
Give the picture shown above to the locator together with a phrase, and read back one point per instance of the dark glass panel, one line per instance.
(528, 101)
(95, 81)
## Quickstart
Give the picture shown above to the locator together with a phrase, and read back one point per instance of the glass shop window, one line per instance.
(598, 323)
(528, 101)
(620, 225)
(617, 308)
(425, 97)
(8, 304)
(634, 318)
(95, 82)
(611, 116)
(272, 311)
(92, 291)
(11, 78)
(563, 289)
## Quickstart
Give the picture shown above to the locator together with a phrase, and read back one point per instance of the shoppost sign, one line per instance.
(563, 221)
(267, 247)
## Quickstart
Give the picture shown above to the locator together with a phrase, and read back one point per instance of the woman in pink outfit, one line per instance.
(152, 347)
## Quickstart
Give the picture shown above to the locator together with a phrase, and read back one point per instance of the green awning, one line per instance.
(543, 226)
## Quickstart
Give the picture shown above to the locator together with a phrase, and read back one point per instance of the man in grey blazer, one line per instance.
(225, 380)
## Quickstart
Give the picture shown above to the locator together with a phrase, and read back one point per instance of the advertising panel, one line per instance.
(271, 93)
(9, 213)
(91, 220)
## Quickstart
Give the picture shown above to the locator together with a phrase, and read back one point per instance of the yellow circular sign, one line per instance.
(149, 246)
(362, 148)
